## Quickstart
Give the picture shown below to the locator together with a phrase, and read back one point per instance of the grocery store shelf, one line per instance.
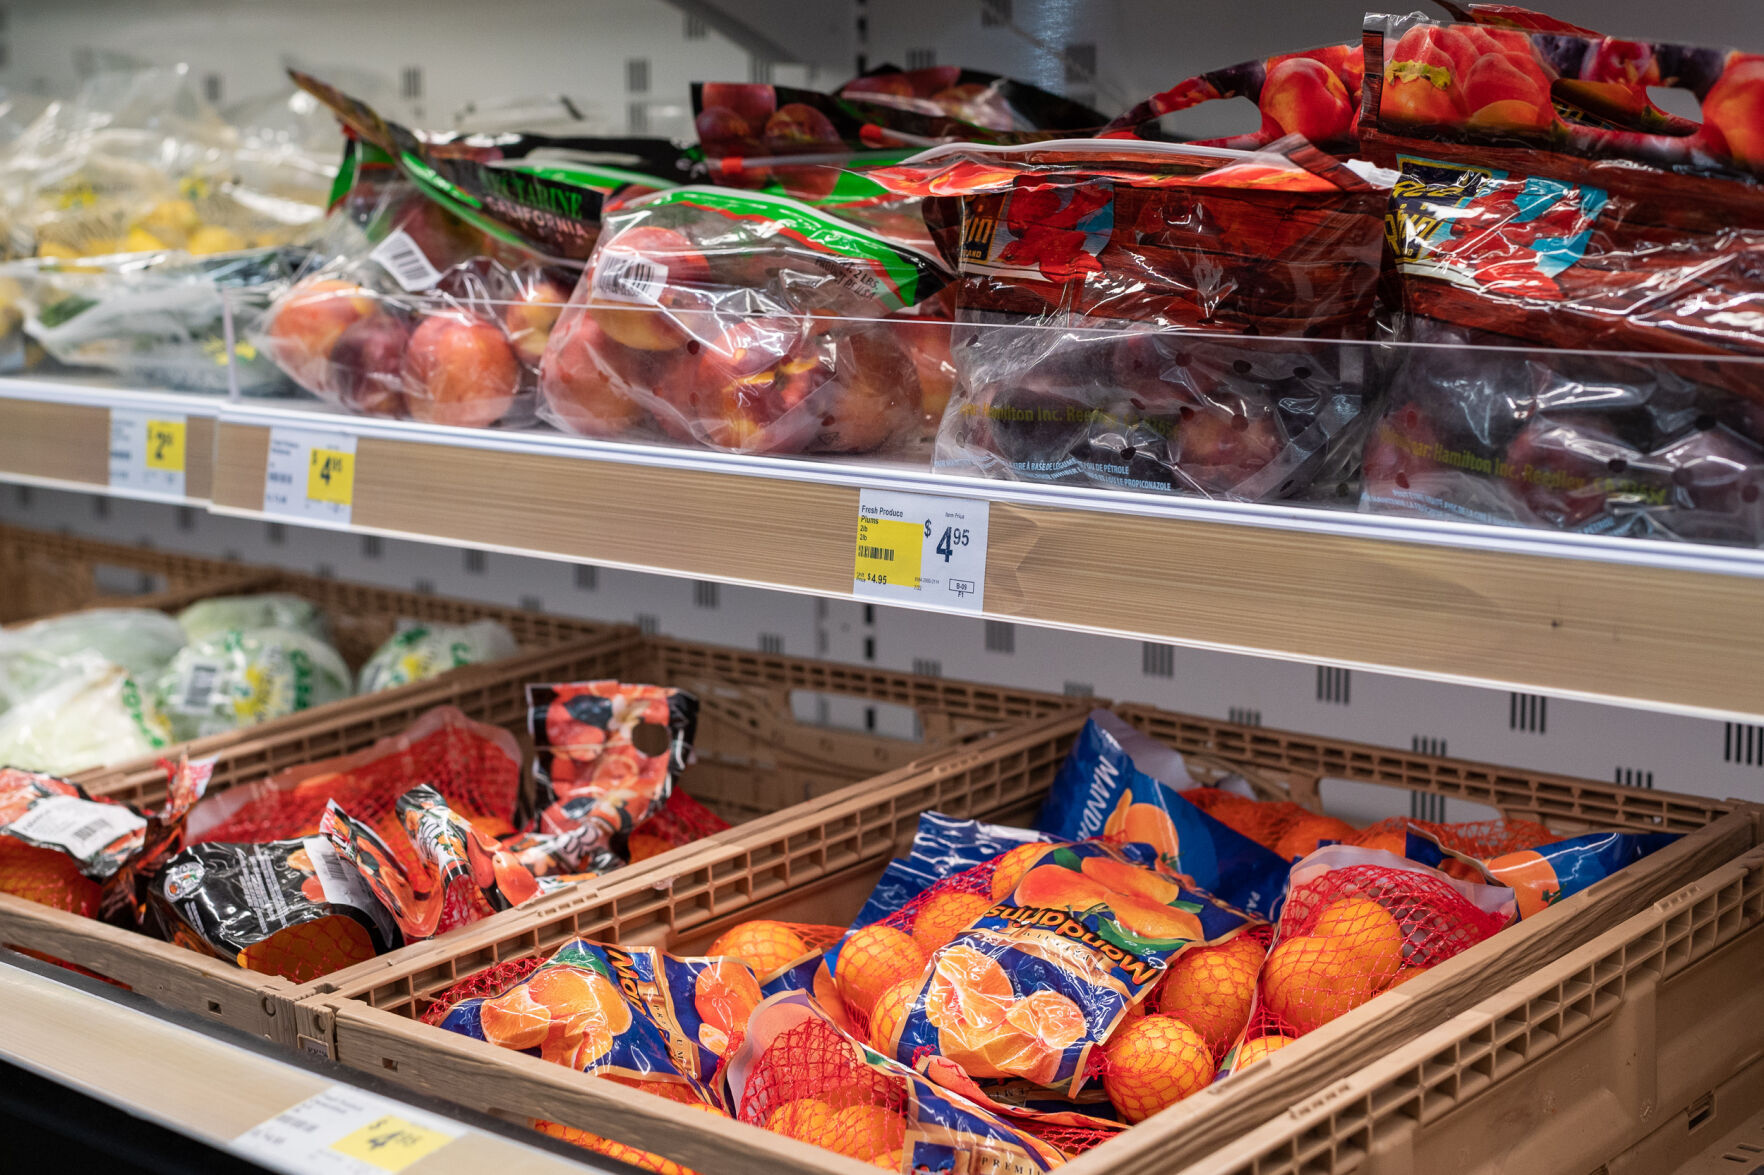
(1667, 626)
(56, 433)
(214, 1090)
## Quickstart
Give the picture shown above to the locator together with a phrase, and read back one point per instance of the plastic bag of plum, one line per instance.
(435, 289)
(747, 322)
(1153, 316)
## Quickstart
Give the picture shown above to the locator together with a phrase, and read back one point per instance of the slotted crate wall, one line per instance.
(1632, 747)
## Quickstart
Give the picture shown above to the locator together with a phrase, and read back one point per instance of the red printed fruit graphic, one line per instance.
(1421, 83)
(1507, 93)
(1734, 110)
(459, 369)
(1305, 97)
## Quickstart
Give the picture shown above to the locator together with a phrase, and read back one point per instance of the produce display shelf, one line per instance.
(209, 1085)
(56, 432)
(1664, 625)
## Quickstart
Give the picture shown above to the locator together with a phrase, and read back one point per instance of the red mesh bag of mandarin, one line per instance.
(474, 766)
(1358, 922)
(797, 1074)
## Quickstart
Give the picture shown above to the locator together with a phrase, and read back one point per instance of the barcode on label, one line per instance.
(198, 692)
(281, 478)
(78, 827)
(886, 554)
(626, 277)
(403, 258)
(89, 829)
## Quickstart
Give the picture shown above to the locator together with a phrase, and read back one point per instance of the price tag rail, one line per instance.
(148, 445)
(1568, 615)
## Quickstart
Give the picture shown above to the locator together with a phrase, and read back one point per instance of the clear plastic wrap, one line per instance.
(212, 617)
(1111, 297)
(742, 321)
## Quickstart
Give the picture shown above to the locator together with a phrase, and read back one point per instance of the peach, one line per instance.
(579, 377)
(1304, 97)
(1055, 887)
(531, 318)
(366, 365)
(307, 323)
(460, 370)
(636, 322)
(1734, 109)
(1217, 450)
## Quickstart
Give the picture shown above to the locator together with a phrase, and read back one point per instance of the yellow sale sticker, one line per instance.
(165, 445)
(391, 1143)
(889, 552)
(330, 476)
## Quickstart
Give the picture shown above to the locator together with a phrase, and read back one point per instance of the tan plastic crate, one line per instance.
(753, 759)
(48, 574)
(817, 867)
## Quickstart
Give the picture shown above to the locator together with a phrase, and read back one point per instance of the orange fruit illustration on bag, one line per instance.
(1055, 887)
(587, 1014)
(1131, 879)
(515, 1020)
(1532, 877)
(1142, 824)
(725, 995)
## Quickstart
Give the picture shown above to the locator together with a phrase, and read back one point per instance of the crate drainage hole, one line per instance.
(214, 1006)
(389, 1063)
(1700, 1111)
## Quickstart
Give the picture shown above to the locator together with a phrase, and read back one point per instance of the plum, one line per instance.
(367, 364)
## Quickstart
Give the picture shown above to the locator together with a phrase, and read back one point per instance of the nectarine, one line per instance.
(580, 379)
(306, 324)
(459, 369)
(635, 273)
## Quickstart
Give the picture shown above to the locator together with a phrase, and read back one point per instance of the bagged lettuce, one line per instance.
(418, 652)
(88, 714)
(210, 618)
(139, 640)
(240, 678)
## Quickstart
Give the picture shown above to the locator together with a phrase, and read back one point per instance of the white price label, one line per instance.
(310, 476)
(916, 549)
(147, 451)
(347, 1131)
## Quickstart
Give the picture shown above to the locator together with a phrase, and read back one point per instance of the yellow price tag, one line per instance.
(889, 552)
(165, 445)
(390, 1143)
(330, 477)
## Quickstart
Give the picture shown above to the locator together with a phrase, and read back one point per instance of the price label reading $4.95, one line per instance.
(918, 549)
(310, 476)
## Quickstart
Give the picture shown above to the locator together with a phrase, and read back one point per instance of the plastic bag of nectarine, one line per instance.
(747, 322)
(1356, 923)
(436, 287)
(1110, 297)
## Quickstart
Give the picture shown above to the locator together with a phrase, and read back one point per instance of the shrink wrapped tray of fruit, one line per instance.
(1313, 92)
(746, 322)
(1149, 316)
(438, 283)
